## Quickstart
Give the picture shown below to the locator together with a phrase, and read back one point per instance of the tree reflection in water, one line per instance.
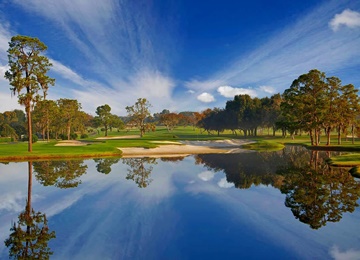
(61, 174)
(30, 236)
(140, 170)
(318, 193)
(315, 192)
(104, 164)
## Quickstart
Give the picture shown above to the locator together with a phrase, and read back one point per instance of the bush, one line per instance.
(34, 138)
(62, 137)
(73, 136)
(84, 136)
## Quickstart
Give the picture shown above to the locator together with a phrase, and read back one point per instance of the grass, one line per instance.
(264, 146)
(17, 151)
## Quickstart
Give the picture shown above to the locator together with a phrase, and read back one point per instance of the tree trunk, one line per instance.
(352, 134)
(68, 131)
(328, 130)
(339, 135)
(311, 137)
(48, 130)
(316, 137)
(28, 113)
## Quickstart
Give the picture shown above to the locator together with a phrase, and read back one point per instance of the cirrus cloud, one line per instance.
(347, 18)
(267, 89)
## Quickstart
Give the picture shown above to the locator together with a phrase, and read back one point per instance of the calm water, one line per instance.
(278, 205)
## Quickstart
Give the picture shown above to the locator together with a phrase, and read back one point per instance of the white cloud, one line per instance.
(350, 254)
(347, 18)
(67, 73)
(224, 184)
(206, 97)
(206, 175)
(230, 92)
(190, 91)
(152, 85)
(267, 89)
(12, 201)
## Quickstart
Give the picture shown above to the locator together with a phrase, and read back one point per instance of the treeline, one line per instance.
(313, 104)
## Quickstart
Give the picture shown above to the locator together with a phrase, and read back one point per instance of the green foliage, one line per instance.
(34, 138)
(27, 73)
(138, 114)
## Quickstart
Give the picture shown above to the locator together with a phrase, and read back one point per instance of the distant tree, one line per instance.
(333, 106)
(349, 108)
(103, 117)
(248, 113)
(170, 120)
(116, 122)
(20, 124)
(69, 111)
(214, 121)
(27, 71)
(44, 114)
(139, 113)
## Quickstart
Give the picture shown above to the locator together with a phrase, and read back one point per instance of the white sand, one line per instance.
(185, 148)
(71, 143)
(118, 137)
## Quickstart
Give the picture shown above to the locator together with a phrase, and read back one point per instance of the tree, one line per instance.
(45, 113)
(103, 117)
(116, 122)
(306, 102)
(349, 108)
(27, 73)
(69, 110)
(139, 113)
(170, 120)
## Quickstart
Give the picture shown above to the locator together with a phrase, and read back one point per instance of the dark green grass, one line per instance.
(99, 148)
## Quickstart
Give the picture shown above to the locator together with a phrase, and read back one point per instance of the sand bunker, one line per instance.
(71, 143)
(118, 137)
(185, 148)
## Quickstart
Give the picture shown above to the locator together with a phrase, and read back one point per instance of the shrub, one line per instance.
(84, 136)
(34, 138)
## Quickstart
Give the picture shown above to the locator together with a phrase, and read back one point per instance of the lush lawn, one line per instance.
(99, 148)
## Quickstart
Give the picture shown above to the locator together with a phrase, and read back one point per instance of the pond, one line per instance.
(282, 205)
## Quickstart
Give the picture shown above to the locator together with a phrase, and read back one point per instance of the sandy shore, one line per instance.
(186, 148)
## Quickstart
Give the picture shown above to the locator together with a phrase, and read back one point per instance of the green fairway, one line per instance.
(17, 151)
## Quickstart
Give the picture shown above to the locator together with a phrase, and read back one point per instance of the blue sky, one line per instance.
(182, 55)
